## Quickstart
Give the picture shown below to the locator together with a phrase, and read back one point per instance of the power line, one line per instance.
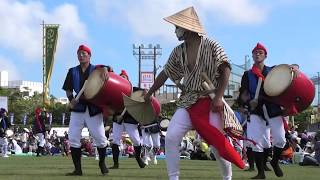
(149, 52)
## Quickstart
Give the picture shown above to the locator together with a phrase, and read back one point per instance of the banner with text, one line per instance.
(147, 79)
(51, 39)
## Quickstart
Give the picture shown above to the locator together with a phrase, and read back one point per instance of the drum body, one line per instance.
(105, 89)
(290, 88)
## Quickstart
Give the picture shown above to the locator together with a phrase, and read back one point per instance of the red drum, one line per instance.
(290, 88)
(105, 89)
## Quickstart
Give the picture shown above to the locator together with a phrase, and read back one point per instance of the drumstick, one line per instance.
(254, 102)
(179, 85)
(256, 95)
(150, 125)
(119, 117)
(122, 113)
(208, 85)
(80, 93)
(207, 79)
(81, 90)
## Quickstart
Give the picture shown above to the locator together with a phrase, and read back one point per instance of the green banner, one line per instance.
(51, 39)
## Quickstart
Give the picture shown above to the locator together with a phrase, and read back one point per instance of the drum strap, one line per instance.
(3, 122)
(76, 77)
(253, 80)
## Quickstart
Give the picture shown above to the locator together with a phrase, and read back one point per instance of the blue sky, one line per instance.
(288, 28)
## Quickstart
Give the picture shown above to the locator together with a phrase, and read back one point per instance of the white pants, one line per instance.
(151, 139)
(41, 139)
(4, 145)
(94, 124)
(131, 129)
(179, 125)
(259, 132)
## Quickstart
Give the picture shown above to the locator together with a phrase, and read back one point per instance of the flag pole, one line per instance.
(43, 63)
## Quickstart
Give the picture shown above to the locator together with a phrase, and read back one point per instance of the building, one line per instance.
(4, 78)
(62, 100)
(234, 84)
(27, 87)
(316, 81)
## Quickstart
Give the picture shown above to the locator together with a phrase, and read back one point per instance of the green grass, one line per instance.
(54, 168)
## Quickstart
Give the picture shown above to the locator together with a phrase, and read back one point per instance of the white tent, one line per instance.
(61, 130)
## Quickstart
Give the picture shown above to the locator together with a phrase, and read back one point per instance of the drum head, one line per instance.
(278, 80)
(9, 133)
(164, 123)
(95, 82)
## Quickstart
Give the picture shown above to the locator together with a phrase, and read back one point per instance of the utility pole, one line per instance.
(149, 52)
(318, 85)
(246, 62)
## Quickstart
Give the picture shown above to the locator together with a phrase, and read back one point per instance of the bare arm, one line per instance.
(69, 93)
(223, 80)
(217, 103)
(160, 80)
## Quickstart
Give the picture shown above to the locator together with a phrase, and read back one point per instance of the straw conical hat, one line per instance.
(187, 19)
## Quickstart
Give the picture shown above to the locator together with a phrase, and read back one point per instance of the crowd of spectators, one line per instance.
(301, 148)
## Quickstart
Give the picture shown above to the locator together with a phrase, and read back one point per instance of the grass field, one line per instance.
(54, 168)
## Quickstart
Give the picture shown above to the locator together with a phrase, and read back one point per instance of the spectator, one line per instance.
(87, 147)
(14, 148)
(317, 146)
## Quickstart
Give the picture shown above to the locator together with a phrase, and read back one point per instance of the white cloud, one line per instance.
(6, 65)
(21, 30)
(234, 11)
(145, 17)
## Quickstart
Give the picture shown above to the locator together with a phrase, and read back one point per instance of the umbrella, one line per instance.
(141, 111)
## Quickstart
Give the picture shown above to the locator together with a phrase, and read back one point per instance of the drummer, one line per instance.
(265, 117)
(151, 141)
(83, 112)
(4, 125)
(39, 129)
(124, 122)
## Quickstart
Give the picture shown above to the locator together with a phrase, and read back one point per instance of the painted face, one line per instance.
(259, 56)
(180, 32)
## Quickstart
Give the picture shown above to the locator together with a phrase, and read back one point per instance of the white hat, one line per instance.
(26, 130)
(187, 19)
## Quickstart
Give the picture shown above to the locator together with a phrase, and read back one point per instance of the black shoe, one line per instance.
(250, 169)
(103, 168)
(276, 168)
(266, 168)
(115, 166)
(141, 163)
(259, 176)
(74, 173)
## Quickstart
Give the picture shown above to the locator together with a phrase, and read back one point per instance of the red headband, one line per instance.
(124, 73)
(84, 48)
(260, 46)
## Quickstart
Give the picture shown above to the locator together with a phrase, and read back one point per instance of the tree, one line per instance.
(168, 109)
(303, 118)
